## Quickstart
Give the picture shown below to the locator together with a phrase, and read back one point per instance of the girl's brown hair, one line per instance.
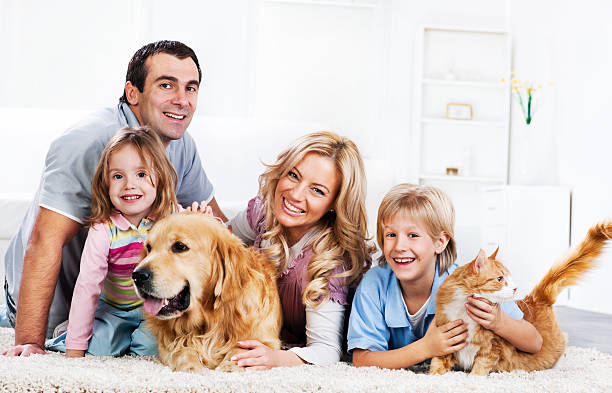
(343, 239)
(152, 152)
(427, 204)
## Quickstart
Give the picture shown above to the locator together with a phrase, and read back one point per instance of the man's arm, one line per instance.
(41, 265)
(216, 211)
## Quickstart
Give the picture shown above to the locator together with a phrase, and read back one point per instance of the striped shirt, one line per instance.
(112, 251)
(126, 243)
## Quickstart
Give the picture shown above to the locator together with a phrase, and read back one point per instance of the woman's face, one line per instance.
(305, 193)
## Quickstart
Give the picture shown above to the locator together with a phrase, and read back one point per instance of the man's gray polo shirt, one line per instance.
(65, 188)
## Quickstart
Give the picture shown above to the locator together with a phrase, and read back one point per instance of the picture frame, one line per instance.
(455, 111)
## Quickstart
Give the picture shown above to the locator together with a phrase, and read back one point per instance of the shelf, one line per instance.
(467, 179)
(463, 29)
(479, 123)
(465, 83)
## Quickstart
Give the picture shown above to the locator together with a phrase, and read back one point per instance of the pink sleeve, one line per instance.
(256, 215)
(94, 266)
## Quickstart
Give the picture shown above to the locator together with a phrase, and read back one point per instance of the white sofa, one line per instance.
(232, 152)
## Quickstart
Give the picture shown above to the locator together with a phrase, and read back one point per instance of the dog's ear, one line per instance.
(232, 259)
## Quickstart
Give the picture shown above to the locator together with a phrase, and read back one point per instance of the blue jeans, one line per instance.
(8, 310)
(115, 333)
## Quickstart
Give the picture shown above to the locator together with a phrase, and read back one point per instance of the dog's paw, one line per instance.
(229, 366)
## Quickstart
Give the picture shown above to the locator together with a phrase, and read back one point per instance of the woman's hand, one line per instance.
(485, 313)
(262, 357)
(445, 339)
(259, 356)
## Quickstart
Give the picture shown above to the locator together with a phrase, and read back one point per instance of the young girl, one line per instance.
(391, 320)
(132, 186)
(310, 219)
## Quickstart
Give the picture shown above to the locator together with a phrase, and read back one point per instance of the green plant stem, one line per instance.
(528, 117)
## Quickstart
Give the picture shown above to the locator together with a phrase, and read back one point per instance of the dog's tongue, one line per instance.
(152, 305)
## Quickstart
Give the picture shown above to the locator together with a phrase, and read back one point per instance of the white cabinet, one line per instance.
(531, 226)
(462, 107)
(459, 68)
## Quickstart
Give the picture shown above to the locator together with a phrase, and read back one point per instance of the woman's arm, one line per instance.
(520, 333)
(324, 328)
(241, 228)
(324, 325)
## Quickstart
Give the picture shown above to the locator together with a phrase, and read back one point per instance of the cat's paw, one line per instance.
(439, 366)
(479, 371)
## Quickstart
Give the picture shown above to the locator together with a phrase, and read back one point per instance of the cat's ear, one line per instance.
(494, 253)
(479, 261)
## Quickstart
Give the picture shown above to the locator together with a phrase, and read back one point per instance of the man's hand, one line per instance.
(201, 207)
(216, 210)
(23, 350)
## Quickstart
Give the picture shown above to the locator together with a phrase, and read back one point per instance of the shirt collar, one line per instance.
(396, 315)
(132, 121)
(122, 223)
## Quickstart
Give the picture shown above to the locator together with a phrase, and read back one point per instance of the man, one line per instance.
(42, 261)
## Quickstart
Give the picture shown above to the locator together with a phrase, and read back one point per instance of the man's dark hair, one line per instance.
(137, 71)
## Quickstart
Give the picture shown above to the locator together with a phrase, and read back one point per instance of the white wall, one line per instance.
(344, 65)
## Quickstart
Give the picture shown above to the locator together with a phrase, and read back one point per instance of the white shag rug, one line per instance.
(578, 370)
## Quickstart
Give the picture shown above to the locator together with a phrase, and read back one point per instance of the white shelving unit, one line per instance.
(462, 65)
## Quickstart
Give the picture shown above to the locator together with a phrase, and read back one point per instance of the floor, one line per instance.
(586, 328)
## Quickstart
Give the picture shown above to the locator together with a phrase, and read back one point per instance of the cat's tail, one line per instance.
(575, 266)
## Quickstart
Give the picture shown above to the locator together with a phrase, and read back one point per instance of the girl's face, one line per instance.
(131, 187)
(409, 250)
(305, 194)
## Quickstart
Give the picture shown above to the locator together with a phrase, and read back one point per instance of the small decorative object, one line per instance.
(525, 92)
(459, 111)
(452, 171)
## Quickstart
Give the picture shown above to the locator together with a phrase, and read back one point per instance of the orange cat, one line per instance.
(489, 279)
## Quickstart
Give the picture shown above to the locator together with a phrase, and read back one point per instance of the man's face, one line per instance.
(169, 97)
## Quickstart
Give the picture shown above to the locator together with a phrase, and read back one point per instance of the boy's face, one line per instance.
(409, 249)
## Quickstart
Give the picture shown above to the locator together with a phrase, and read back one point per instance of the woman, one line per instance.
(310, 220)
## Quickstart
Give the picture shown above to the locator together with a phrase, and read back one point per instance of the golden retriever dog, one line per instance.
(203, 291)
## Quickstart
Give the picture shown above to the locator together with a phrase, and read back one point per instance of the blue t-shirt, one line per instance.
(65, 188)
(379, 318)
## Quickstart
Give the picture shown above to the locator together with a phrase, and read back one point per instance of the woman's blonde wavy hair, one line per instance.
(151, 150)
(426, 204)
(343, 239)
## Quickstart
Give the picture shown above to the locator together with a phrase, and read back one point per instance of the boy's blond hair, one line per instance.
(426, 204)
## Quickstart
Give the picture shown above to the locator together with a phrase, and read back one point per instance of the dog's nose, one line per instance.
(141, 276)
